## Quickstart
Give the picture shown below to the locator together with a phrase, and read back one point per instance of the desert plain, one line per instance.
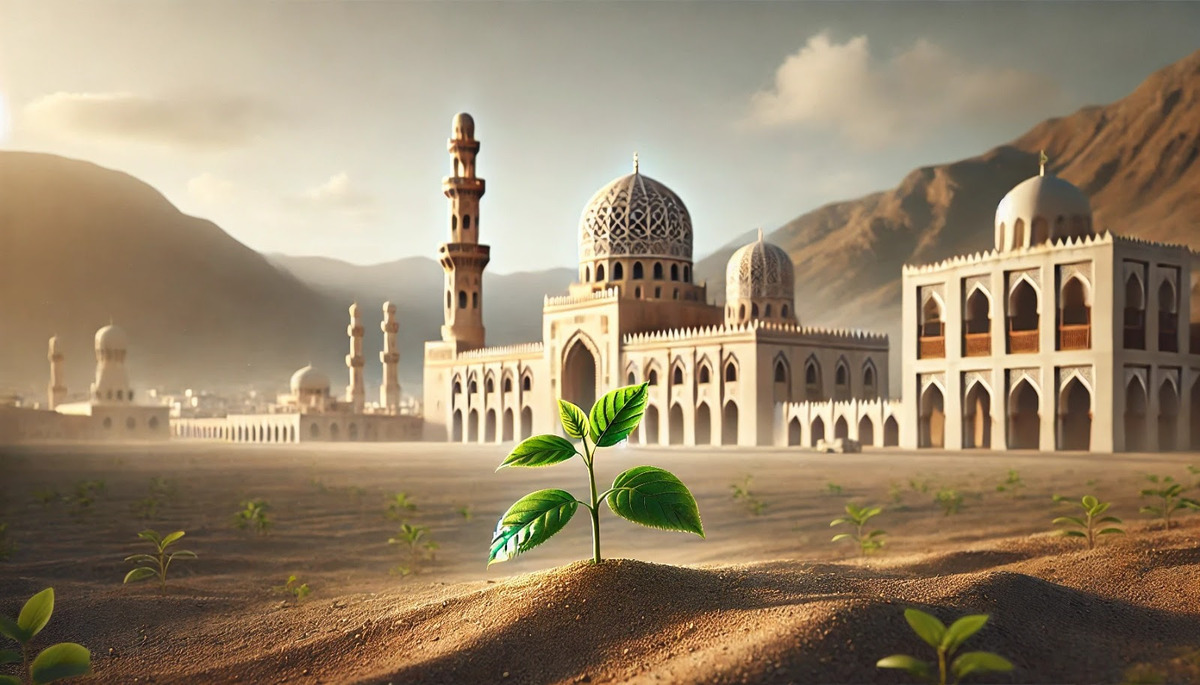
(765, 597)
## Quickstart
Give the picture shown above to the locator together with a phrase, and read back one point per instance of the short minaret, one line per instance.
(57, 391)
(356, 394)
(463, 258)
(112, 381)
(389, 391)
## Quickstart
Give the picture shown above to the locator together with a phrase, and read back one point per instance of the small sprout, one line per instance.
(414, 538)
(146, 508)
(741, 491)
(57, 662)
(465, 512)
(946, 641)
(158, 562)
(1092, 510)
(400, 571)
(253, 516)
(895, 492)
(162, 488)
(84, 497)
(858, 517)
(295, 588)
(921, 486)
(44, 497)
(399, 505)
(949, 499)
(1170, 497)
(832, 488)
(1012, 484)
(645, 495)
(7, 547)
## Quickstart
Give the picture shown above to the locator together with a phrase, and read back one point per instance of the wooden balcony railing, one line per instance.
(977, 344)
(1075, 337)
(932, 347)
(1022, 342)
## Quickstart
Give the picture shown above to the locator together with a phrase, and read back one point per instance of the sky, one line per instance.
(319, 128)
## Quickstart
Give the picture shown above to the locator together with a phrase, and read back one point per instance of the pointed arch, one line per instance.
(977, 415)
(1168, 415)
(794, 432)
(841, 379)
(732, 369)
(703, 424)
(489, 382)
(489, 429)
(1135, 414)
(841, 428)
(506, 432)
(704, 372)
(580, 370)
(675, 425)
(932, 416)
(729, 424)
(677, 372)
(1024, 415)
(816, 433)
(1075, 414)
(527, 380)
(781, 387)
(870, 382)
(866, 431)
(813, 385)
(507, 384)
(650, 425)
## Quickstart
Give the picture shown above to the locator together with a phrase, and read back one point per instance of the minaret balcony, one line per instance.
(1023, 342)
(1075, 337)
(932, 347)
(977, 344)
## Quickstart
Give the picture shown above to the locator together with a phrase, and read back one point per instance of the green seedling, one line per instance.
(84, 497)
(414, 538)
(832, 488)
(45, 497)
(253, 516)
(156, 564)
(399, 505)
(1092, 519)
(465, 512)
(1170, 498)
(858, 517)
(162, 488)
(947, 642)
(949, 500)
(57, 662)
(1012, 484)
(295, 588)
(895, 492)
(921, 486)
(146, 508)
(741, 491)
(645, 495)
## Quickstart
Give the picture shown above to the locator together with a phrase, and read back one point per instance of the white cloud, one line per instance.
(839, 88)
(210, 188)
(339, 192)
(193, 122)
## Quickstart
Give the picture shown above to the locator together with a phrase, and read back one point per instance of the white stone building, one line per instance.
(635, 315)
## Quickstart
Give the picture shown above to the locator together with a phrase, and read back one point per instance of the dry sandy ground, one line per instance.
(764, 599)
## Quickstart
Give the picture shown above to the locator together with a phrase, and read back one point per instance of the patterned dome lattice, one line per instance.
(759, 269)
(635, 216)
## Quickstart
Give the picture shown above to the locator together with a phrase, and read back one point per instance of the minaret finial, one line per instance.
(760, 234)
(635, 162)
(1042, 163)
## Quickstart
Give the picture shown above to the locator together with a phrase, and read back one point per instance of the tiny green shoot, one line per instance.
(1170, 498)
(1091, 521)
(833, 489)
(465, 512)
(741, 491)
(949, 499)
(858, 517)
(295, 588)
(253, 516)
(399, 505)
(947, 642)
(155, 565)
(1013, 484)
(57, 662)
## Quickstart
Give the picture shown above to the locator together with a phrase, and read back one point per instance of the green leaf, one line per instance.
(574, 421)
(150, 535)
(1069, 519)
(140, 573)
(1109, 519)
(60, 661)
(978, 662)
(182, 554)
(1074, 534)
(656, 498)
(927, 627)
(9, 680)
(1111, 531)
(876, 533)
(914, 667)
(12, 631)
(540, 450)
(836, 522)
(10, 656)
(171, 538)
(960, 630)
(532, 520)
(1089, 501)
(142, 558)
(36, 613)
(842, 536)
(617, 414)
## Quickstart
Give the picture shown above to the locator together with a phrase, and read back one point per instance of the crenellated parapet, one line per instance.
(977, 258)
(520, 350)
(756, 328)
(606, 295)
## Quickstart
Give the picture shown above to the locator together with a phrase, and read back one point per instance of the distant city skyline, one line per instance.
(320, 128)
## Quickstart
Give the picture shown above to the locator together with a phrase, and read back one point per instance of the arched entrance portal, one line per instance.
(675, 427)
(650, 425)
(840, 429)
(977, 418)
(1168, 417)
(1024, 424)
(1135, 416)
(729, 425)
(793, 436)
(579, 376)
(866, 432)
(1075, 417)
(817, 433)
(473, 426)
(506, 433)
(931, 427)
(703, 425)
(526, 423)
(489, 428)
(891, 432)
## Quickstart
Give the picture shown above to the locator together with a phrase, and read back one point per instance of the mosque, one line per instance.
(716, 374)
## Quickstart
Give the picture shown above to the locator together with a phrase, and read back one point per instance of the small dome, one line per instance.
(309, 379)
(111, 338)
(1039, 209)
(759, 270)
(636, 216)
(464, 127)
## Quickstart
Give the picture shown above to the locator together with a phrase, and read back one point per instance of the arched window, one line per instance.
(783, 311)
(637, 271)
(780, 372)
(767, 310)
(869, 380)
(453, 222)
(1019, 233)
(457, 387)
(840, 377)
(652, 379)
(462, 299)
(631, 379)
(527, 382)
(741, 312)
(730, 372)
(600, 272)
(120, 394)
(507, 385)
(467, 222)
(473, 387)
(754, 310)
(618, 271)
(587, 274)
(475, 300)
(687, 274)
(449, 301)
(637, 292)
(704, 374)
(674, 272)
(1168, 319)
(490, 385)
(677, 376)
(658, 271)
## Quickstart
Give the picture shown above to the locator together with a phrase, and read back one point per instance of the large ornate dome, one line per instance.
(111, 338)
(635, 216)
(309, 379)
(1041, 208)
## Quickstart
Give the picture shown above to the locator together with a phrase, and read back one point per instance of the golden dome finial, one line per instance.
(1042, 163)
(760, 237)
(635, 162)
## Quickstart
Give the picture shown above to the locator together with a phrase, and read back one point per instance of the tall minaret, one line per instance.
(355, 393)
(112, 383)
(58, 391)
(463, 258)
(389, 391)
